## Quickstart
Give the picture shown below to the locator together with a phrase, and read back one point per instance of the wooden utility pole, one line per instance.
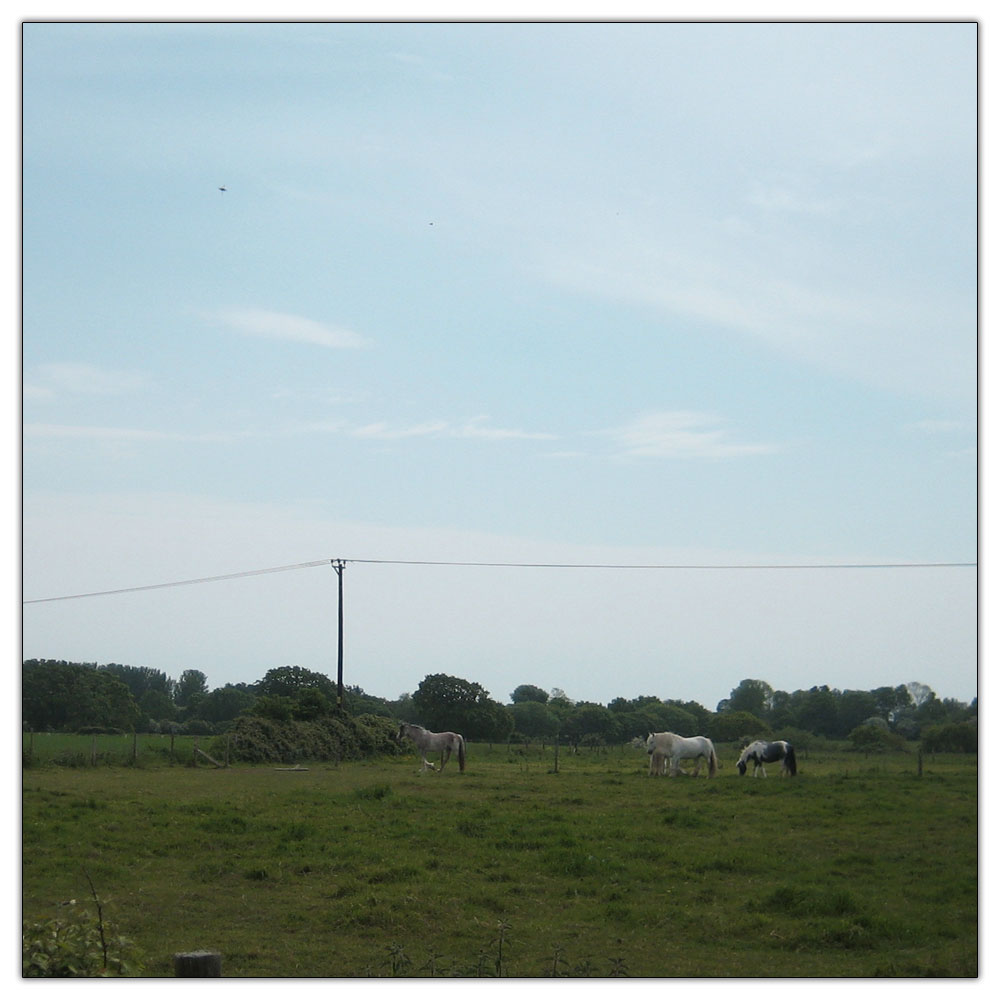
(338, 565)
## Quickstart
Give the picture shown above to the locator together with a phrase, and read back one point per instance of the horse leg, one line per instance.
(445, 756)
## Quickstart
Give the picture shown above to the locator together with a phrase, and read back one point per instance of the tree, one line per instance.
(443, 703)
(65, 697)
(954, 737)
(157, 705)
(590, 720)
(289, 681)
(533, 719)
(310, 703)
(192, 686)
(140, 680)
(528, 692)
(489, 720)
(559, 704)
(853, 708)
(730, 727)
(919, 693)
(751, 696)
(226, 703)
(817, 711)
(890, 701)
(278, 707)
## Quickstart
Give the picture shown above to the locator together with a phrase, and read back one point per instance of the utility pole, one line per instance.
(338, 565)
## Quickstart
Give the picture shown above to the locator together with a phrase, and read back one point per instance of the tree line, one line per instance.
(63, 696)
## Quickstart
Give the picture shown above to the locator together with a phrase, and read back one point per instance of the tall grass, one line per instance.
(857, 867)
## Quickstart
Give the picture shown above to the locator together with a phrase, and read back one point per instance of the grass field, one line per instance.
(857, 867)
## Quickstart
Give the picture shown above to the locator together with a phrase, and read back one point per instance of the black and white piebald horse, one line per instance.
(762, 753)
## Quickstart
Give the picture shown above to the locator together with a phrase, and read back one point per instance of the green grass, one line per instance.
(70, 750)
(858, 867)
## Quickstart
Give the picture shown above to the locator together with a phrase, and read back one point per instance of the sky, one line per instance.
(648, 309)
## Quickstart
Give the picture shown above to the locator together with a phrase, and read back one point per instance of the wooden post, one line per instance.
(93, 750)
(920, 763)
(198, 964)
(135, 747)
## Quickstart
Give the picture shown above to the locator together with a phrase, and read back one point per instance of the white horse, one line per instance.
(762, 753)
(433, 743)
(660, 746)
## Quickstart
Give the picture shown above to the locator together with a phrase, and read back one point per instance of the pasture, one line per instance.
(856, 867)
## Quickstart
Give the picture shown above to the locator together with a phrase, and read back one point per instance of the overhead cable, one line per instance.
(509, 565)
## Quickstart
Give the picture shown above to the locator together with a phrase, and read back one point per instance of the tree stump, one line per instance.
(198, 964)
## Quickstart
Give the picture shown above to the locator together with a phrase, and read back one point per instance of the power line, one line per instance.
(181, 583)
(509, 565)
(666, 566)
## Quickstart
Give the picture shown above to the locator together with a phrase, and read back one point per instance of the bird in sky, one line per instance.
(223, 188)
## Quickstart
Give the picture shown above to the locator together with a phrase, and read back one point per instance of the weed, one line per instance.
(373, 793)
(77, 946)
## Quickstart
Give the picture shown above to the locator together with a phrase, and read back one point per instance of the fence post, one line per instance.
(198, 964)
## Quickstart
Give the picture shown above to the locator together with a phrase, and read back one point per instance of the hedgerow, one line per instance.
(254, 739)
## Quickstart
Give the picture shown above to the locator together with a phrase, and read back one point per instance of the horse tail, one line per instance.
(713, 763)
(461, 753)
(790, 761)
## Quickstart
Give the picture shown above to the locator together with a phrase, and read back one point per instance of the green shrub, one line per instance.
(254, 739)
(874, 739)
(951, 737)
(77, 946)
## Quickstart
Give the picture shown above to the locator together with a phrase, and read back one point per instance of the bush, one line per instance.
(198, 727)
(951, 737)
(255, 739)
(874, 739)
(77, 946)
(734, 727)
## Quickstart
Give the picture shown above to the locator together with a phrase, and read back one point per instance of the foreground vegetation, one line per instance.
(861, 866)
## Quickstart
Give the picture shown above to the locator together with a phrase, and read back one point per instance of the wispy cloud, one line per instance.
(680, 434)
(383, 431)
(475, 428)
(52, 381)
(272, 325)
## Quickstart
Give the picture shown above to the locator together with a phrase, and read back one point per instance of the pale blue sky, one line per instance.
(612, 293)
